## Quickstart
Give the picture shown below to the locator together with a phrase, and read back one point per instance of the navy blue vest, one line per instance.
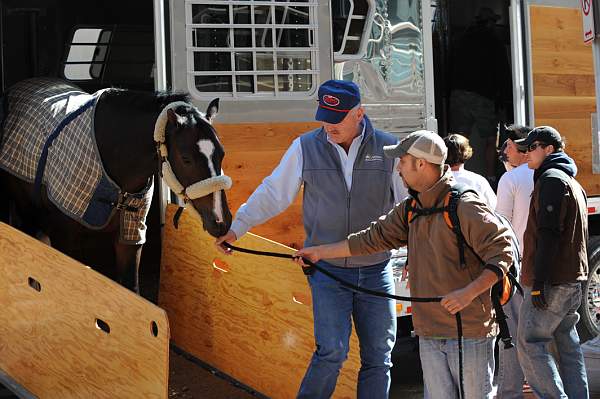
(330, 212)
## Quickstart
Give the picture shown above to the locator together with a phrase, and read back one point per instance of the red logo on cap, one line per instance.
(331, 100)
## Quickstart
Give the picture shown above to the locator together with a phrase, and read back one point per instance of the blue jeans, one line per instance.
(510, 374)
(547, 377)
(439, 360)
(334, 308)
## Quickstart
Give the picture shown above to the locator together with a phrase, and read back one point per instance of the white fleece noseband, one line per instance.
(197, 190)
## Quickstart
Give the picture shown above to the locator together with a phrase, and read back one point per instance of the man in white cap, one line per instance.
(435, 269)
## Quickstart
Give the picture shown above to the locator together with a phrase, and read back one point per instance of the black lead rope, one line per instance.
(346, 284)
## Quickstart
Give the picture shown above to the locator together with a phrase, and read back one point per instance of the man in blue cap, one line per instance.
(347, 183)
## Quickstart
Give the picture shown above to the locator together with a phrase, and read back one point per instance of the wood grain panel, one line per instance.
(578, 137)
(253, 150)
(49, 339)
(565, 63)
(563, 84)
(566, 107)
(246, 315)
(557, 47)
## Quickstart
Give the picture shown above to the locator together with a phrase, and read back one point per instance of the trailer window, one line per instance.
(87, 53)
(351, 22)
(117, 55)
(252, 49)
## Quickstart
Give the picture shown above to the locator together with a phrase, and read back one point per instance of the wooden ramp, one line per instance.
(68, 332)
(248, 316)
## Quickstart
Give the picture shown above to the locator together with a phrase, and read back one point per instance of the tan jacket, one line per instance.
(433, 258)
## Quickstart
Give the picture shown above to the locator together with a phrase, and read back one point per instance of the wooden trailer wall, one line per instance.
(563, 83)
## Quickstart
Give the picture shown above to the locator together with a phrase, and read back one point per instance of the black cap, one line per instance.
(543, 134)
(517, 132)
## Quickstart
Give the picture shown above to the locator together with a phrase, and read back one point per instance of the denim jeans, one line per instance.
(510, 374)
(548, 377)
(439, 360)
(334, 308)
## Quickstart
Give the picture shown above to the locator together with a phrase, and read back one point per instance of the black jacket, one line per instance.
(555, 241)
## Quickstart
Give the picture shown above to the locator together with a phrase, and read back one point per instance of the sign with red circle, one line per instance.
(587, 11)
(586, 6)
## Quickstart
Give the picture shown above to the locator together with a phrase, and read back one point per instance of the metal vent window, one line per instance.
(351, 25)
(87, 53)
(251, 49)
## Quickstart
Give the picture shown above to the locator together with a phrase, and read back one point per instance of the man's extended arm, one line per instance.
(388, 232)
(270, 198)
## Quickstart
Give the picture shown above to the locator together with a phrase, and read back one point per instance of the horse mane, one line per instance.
(145, 101)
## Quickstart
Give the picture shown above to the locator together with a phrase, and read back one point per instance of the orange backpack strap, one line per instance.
(446, 213)
(410, 210)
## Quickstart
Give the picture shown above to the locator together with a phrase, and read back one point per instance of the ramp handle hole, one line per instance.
(220, 265)
(102, 325)
(154, 329)
(33, 283)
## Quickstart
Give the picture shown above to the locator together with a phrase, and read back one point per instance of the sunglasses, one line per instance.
(534, 146)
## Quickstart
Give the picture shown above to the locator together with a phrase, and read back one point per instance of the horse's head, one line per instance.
(195, 155)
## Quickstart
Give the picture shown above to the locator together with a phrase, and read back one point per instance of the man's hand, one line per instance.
(537, 296)
(311, 253)
(457, 300)
(230, 238)
(338, 249)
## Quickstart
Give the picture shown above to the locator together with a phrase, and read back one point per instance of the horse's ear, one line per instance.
(172, 117)
(175, 118)
(212, 110)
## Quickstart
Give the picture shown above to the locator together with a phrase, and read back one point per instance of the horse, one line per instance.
(135, 135)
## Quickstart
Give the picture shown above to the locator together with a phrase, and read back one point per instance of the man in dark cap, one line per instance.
(347, 183)
(514, 192)
(554, 265)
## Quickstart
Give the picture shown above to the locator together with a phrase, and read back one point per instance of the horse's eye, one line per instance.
(186, 160)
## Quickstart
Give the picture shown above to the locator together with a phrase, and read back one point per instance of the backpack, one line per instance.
(503, 290)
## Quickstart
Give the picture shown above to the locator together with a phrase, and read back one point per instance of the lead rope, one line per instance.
(459, 328)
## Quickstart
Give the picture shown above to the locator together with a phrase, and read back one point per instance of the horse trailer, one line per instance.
(264, 60)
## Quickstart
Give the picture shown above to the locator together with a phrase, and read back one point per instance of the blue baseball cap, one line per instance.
(336, 99)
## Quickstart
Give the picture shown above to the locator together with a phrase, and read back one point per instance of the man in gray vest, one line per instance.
(347, 183)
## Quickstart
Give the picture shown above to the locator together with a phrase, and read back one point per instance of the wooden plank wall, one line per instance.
(563, 83)
(252, 151)
(248, 316)
(49, 340)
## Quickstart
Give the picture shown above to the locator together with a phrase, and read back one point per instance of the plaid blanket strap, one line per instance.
(39, 174)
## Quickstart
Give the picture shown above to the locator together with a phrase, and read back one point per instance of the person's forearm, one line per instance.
(545, 254)
(482, 283)
(338, 249)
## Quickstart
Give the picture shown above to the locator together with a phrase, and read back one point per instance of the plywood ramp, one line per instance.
(246, 315)
(51, 341)
(563, 84)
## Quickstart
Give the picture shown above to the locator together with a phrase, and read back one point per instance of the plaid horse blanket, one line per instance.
(72, 171)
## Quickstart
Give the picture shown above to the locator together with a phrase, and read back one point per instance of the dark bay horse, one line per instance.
(135, 134)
